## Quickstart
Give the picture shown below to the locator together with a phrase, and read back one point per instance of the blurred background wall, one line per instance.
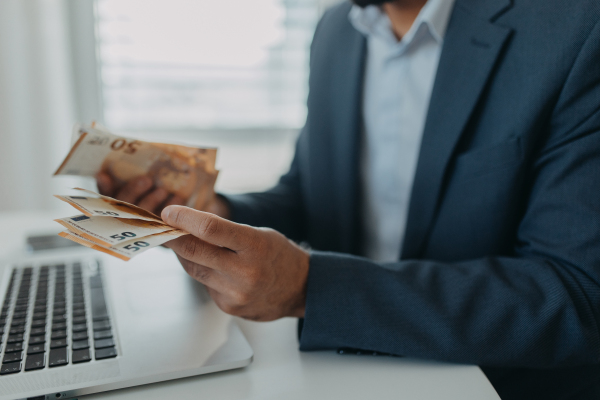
(226, 73)
(37, 104)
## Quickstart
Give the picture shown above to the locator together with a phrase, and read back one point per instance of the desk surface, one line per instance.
(279, 370)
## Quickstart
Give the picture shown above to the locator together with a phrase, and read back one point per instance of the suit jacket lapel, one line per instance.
(347, 124)
(472, 46)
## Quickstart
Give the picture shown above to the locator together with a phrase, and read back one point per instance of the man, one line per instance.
(457, 147)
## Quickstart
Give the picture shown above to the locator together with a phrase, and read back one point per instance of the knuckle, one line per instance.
(190, 248)
(177, 216)
(264, 241)
(253, 278)
(228, 308)
(201, 273)
(196, 271)
(209, 226)
(241, 298)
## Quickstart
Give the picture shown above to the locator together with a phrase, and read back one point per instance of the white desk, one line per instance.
(279, 370)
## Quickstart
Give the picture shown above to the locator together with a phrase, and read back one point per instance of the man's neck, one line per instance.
(402, 14)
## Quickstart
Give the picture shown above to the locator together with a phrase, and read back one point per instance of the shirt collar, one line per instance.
(372, 20)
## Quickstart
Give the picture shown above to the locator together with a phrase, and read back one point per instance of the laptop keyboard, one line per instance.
(48, 321)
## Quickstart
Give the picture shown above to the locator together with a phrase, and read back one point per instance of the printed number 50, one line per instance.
(136, 245)
(124, 235)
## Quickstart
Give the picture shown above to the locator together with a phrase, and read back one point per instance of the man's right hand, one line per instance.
(142, 192)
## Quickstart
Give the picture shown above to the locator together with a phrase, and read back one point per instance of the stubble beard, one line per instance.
(364, 3)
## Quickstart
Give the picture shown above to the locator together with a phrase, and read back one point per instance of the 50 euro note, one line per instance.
(114, 227)
(188, 172)
(128, 249)
(104, 206)
(108, 231)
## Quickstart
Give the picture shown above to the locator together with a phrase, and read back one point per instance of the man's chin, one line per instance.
(364, 3)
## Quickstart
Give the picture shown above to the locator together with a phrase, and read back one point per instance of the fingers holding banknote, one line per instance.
(139, 191)
(253, 273)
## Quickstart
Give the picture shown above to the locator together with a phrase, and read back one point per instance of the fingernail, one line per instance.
(165, 213)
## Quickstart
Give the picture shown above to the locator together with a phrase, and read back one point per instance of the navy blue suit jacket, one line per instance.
(500, 266)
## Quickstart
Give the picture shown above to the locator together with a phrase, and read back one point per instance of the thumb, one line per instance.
(208, 227)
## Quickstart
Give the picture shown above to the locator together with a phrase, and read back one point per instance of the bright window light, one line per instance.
(204, 64)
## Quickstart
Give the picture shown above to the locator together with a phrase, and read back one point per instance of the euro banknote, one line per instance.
(104, 206)
(128, 249)
(108, 231)
(114, 227)
(185, 171)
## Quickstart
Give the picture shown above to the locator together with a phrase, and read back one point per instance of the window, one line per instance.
(204, 64)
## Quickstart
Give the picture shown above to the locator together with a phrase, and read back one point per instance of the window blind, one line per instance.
(204, 64)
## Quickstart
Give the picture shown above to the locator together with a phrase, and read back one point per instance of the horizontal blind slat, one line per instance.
(204, 64)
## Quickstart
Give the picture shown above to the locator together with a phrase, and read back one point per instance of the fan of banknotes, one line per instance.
(121, 229)
(114, 227)
(188, 172)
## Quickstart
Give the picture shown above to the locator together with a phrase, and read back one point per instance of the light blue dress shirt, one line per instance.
(399, 78)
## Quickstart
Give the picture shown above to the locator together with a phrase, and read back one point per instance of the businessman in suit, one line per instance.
(447, 180)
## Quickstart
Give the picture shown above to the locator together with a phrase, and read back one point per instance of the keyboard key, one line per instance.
(16, 329)
(39, 315)
(58, 357)
(11, 368)
(79, 313)
(55, 344)
(80, 335)
(80, 356)
(109, 352)
(16, 338)
(12, 357)
(103, 343)
(59, 318)
(98, 303)
(59, 335)
(101, 325)
(37, 331)
(79, 327)
(61, 326)
(96, 281)
(14, 347)
(18, 322)
(36, 348)
(35, 361)
(37, 340)
(38, 323)
(102, 335)
(80, 344)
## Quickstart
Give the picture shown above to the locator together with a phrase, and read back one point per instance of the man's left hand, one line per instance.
(253, 273)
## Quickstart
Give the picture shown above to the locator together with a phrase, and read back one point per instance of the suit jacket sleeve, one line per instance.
(538, 308)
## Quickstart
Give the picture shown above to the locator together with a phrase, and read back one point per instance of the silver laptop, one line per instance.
(75, 322)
